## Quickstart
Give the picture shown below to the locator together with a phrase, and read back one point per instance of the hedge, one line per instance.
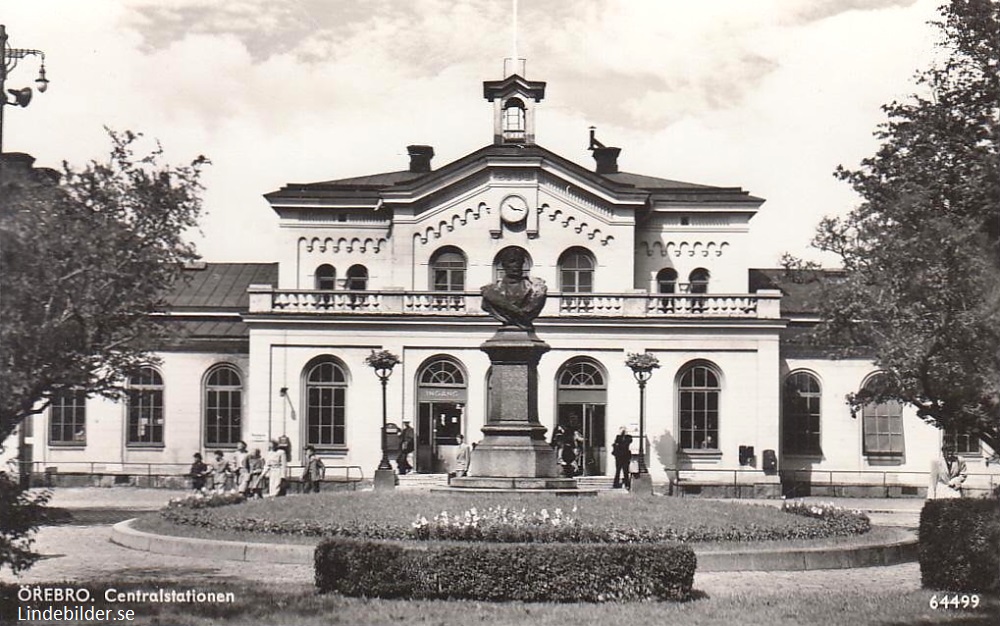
(505, 572)
(960, 545)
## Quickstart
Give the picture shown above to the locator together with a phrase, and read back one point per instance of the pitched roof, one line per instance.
(220, 286)
(623, 182)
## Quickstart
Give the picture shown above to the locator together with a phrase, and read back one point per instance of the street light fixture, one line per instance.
(642, 366)
(8, 61)
(382, 361)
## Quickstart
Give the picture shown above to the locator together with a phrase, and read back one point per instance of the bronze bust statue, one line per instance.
(515, 300)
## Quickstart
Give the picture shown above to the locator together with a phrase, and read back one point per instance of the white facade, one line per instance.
(634, 263)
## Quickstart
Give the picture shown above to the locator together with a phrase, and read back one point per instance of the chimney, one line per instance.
(420, 158)
(607, 160)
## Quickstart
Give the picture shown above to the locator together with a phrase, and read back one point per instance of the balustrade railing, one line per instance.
(761, 305)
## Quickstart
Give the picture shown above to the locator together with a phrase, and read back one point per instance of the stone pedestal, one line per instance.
(514, 446)
(385, 480)
(642, 485)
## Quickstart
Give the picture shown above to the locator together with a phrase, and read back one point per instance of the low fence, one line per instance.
(746, 482)
(172, 475)
(887, 483)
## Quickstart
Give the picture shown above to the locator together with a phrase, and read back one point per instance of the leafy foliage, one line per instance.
(22, 512)
(85, 262)
(382, 360)
(503, 573)
(960, 544)
(922, 283)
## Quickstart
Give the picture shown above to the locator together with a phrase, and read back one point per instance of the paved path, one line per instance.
(84, 553)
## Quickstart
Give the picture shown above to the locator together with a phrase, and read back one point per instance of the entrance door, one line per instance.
(437, 427)
(582, 398)
(441, 398)
(587, 421)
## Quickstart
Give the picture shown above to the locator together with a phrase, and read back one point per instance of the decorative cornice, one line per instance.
(449, 223)
(346, 244)
(685, 248)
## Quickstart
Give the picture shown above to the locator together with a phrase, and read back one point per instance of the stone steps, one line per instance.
(422, 481)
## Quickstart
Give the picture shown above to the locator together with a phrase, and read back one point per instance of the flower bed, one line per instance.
(508, 521)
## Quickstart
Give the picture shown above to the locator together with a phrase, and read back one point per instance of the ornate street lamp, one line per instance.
(642, 366)
(382, 361)
(8, 61)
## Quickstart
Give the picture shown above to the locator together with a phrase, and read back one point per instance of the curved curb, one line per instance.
(893, 553)
(902, 551)
(124, 535)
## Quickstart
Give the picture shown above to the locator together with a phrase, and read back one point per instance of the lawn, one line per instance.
(285, 605)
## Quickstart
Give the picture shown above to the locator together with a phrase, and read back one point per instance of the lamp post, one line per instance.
(382, 361)
(642, 366)
(8, 61)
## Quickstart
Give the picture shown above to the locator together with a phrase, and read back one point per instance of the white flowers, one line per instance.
(493, 517)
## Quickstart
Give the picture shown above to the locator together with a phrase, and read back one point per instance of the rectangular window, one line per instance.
(68, 419)
(326, 411)
(963, 443)
(883, 429)
(145, 417)
(699, 417)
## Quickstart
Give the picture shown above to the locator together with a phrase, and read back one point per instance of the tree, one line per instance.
(85, 263)
(921, 254)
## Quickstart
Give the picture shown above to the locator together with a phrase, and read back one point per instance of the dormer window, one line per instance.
(513, 120)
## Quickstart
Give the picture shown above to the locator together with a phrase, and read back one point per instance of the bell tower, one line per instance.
(514, 99)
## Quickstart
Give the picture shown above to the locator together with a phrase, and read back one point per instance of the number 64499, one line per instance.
(955, 601)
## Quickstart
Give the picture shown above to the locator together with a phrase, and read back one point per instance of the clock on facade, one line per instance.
(513, 209)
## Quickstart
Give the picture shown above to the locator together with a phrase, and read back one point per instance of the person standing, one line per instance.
(312, 473)
(405, 448)
(220, 472)
(621, 449)
(241, 467)
(463, 456)
(947, 475)
(274, 469)
(199, 473)
(255, 474)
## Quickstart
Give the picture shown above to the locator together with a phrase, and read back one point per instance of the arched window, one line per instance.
(498, 270)
(882, 423)
(326, 277)
(666, 280)
(580, 374)
(576, 271)
(357, 278)
(326, 404)
(698, 280)
(800, 405)
(442, 372)
(698, 398)
(68, 419)
(513, 119)
(223, 406)
(145, 408)
(448, 270)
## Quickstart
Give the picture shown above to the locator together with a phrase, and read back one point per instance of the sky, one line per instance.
(767, 95)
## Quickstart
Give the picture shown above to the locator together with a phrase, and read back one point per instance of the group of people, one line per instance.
(253, 475)
(569, 450)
